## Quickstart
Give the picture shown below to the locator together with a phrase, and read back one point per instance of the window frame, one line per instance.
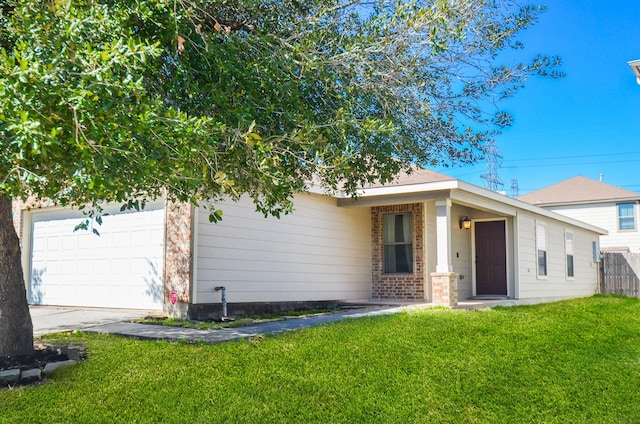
(569, 254)
(541, 226)
(631, 217)
(395, 244)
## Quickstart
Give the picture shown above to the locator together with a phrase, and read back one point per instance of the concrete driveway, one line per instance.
(55, 319)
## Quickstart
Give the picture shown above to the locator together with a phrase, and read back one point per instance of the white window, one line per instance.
(398, 243)
(541, 248)
(626, 217)
(568, 248)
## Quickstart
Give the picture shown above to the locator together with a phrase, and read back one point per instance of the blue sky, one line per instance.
(587, 123)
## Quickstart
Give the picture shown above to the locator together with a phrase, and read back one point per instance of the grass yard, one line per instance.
(574, 361)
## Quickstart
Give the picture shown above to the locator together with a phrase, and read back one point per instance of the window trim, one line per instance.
(620, 217)
(411, 243)
(540, 276)
(569, 276)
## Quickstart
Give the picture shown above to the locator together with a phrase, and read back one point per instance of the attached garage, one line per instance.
(122, 267)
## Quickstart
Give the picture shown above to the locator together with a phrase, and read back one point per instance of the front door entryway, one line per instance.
(491, 258)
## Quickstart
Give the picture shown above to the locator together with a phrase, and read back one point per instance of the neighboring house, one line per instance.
(611, 208)
(424, 238)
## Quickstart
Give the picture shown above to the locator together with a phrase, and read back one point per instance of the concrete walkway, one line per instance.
(160, 332)
(105, 321)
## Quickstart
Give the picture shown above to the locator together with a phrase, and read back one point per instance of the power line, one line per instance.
(472, 171)
(572, 164)
(572, 157)
(444, 169)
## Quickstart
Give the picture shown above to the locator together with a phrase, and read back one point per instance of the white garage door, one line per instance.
(120, 268)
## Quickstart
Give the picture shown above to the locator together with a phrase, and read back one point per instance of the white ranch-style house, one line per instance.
(426, 237)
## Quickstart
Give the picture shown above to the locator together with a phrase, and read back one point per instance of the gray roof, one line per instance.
(578, 190)
(416, 176)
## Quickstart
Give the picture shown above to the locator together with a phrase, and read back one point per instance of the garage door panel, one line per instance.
(121, 268)
(53, 243)
(38, 245)
(69, 242)
(121, 239)
(83, 244)
(65, 267)
(67, 291)
(140, 238)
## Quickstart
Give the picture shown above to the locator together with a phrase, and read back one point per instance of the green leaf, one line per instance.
(215, 216)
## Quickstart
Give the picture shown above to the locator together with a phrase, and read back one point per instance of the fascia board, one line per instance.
(480, 202)
(589, 202)
(405, 189)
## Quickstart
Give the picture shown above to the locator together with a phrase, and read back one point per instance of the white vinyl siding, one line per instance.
(461, 250)
(556, 284)
(603, 215)
(319, 252)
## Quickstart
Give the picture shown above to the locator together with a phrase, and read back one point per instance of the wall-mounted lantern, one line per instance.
(465, 222)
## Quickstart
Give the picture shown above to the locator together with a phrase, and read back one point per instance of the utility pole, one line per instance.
(515, 190)
(493, 157)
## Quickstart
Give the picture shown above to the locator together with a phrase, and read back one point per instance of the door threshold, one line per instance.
(490, 297)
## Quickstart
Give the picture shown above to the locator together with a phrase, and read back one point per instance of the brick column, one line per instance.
(444, 286)
(178, 258)
(17, 209)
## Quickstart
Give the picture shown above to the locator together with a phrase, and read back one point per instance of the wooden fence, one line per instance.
(620, 273)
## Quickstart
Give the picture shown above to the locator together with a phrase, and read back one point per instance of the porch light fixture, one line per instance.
(465, 222)
(635, 67)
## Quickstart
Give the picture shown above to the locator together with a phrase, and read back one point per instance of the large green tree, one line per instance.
(124, 101)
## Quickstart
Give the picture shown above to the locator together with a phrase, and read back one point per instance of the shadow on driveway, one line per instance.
(56, 319)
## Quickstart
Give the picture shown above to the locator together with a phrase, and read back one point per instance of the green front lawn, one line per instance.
(575, 361)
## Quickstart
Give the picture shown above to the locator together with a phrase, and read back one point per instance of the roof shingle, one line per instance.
(417, 176)
(578, 190)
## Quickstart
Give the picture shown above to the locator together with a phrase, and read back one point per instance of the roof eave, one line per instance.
(408, 188)
(589, 202)
(529, 207)
(395, 190)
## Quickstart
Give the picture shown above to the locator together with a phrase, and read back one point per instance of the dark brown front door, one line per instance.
(491, 258)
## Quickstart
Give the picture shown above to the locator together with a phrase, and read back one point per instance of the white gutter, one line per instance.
(589, 202)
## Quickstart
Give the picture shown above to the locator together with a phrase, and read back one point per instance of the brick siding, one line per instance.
(445, 288)
(178, 251)
(17, 217)
(398, 286)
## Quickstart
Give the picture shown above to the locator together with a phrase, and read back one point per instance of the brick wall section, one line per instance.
(178, 253)
(18, 210)
(444, 288)
(398, 286)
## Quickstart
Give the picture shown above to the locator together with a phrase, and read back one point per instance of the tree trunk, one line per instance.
(16, 328)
